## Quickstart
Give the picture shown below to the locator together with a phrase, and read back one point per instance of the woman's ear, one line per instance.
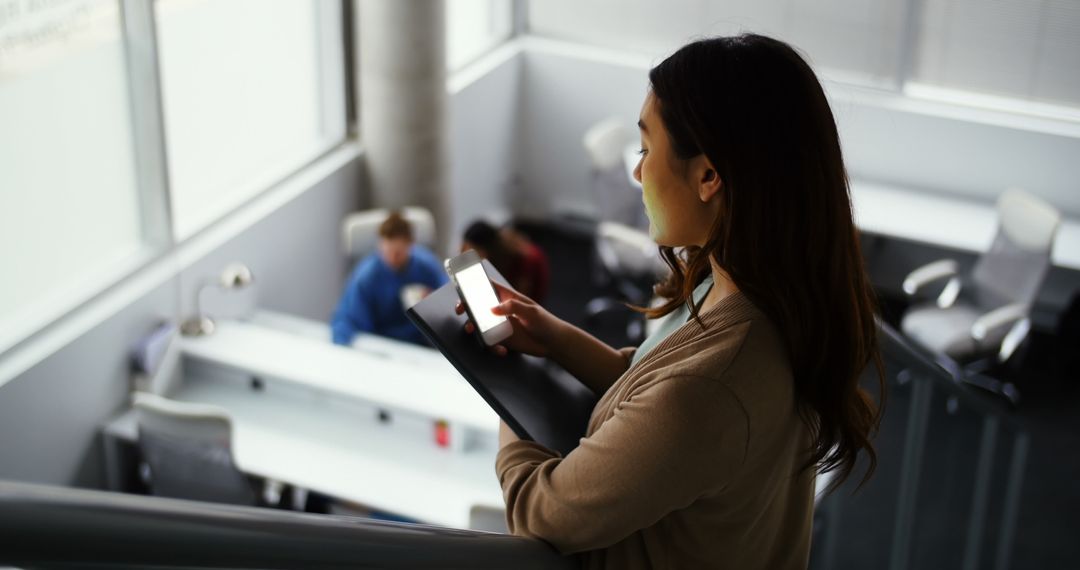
(709, 183)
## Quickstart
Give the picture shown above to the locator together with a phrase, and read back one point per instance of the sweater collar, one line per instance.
(734, 308)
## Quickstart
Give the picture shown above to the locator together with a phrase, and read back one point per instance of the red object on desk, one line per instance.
(442, 433)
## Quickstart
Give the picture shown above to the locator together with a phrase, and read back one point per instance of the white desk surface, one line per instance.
(941, 220)
(309, 437)
(311, 443)
(384, 372)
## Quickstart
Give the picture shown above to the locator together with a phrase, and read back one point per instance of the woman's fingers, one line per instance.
(459, 308)
(512, 307)
(508, 292)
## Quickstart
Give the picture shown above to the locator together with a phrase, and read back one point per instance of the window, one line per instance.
(69, 203)
(1024, 50)
(252, 90)
(1027, 49)
(858, 38)
(474, 27)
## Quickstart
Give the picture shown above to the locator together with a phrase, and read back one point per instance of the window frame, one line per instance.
(158, 240)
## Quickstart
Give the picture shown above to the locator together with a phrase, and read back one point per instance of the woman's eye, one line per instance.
(641, 152)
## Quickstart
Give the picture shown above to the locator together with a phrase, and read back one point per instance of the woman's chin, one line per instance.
(657, 235)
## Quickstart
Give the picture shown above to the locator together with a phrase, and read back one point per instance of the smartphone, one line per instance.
(478, 295)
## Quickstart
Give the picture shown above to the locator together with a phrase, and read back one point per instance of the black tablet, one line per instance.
(537, 399)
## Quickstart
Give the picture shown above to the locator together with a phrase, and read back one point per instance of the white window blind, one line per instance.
(860, 39)
(1028, 49)
(69, 205)
(857, 38)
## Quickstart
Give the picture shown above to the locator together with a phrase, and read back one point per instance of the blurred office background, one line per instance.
(144, 145)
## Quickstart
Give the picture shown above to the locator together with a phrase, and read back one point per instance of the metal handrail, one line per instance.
(894, 345)
(45, 526)
(933, 375)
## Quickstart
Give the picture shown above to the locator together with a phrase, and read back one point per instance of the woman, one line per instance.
(702, 450)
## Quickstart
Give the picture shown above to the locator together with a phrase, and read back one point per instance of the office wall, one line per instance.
(295, 253)
(562, 96)
(934, 148)
(485, 101)
(566, 89)
(50, 414)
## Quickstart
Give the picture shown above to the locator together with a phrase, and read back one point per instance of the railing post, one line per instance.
(1012, 501)
(918, 416)
(982, 491)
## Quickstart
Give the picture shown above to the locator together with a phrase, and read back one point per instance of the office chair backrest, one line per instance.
(628, 251)
(604, 143)
(360, 230)
(616, 199)
(1013, 269)
(188, 449)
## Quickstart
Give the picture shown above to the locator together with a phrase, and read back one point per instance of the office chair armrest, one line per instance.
(927, 274)
(993, 322)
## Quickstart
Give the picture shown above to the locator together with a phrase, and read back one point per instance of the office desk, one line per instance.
(314, 420)
(946, 221)
(428, 386)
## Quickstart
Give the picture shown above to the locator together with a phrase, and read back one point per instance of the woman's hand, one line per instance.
(535, 329)
(506, 435)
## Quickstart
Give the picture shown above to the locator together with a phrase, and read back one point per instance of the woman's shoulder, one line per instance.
(759, 374)
(744, 352)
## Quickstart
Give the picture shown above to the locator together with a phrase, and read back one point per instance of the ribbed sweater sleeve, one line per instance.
(665, 446)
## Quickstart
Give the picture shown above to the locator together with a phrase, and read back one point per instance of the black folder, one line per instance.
(537, 399)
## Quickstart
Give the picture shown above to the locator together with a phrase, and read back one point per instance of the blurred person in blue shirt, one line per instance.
(374, 297)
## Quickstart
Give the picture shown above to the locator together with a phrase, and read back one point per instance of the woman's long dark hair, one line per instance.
(785, 234)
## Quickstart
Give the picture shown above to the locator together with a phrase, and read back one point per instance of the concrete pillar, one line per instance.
(402, 104)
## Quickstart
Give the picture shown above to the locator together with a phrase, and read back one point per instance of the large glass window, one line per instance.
(1023, 50)
(474, 27)
(69, 204)
(859, 38)
(252, 90)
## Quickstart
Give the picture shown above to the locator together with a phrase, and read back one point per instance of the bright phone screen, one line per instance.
(479, 295)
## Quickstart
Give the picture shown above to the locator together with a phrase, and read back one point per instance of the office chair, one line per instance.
(615, 196)
(980, 319)
(187, 448)
(360, 230)
(630, 263)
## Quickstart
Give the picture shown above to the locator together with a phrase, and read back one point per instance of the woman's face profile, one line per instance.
(679, 214)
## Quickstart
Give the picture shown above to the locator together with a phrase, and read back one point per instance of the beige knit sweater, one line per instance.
(691, 459)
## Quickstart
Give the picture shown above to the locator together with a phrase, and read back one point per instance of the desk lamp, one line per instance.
(236, 276)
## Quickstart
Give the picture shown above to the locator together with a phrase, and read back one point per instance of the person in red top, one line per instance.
(519, 260)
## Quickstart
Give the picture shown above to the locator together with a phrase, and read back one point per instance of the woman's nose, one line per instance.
(637, 170)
